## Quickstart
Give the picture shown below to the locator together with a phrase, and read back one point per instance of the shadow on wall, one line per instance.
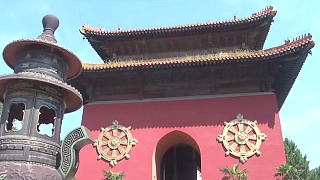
(182, 113)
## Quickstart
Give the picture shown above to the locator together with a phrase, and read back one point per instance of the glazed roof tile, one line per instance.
(287, 48)
(269, 11)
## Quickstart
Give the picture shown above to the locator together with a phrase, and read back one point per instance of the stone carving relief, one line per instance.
(19, 94)
(241, 138)
(3, 175)
(23, 171)
(20, 85)
(70, 148)
(114, 143)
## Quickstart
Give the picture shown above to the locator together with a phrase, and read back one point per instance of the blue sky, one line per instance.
(300, 115)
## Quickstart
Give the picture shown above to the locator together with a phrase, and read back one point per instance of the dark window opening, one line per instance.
(181, 162)
(15, 117)
(45, 124)
(58, 160)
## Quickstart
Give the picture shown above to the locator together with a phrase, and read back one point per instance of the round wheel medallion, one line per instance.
(114, 143)
(241, 138)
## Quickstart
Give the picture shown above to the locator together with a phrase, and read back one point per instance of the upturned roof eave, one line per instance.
(263, 18)
(272, 53)
(233, 24)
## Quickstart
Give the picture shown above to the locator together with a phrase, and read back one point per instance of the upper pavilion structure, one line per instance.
(225, 57)
(178, 87)
(193, 39)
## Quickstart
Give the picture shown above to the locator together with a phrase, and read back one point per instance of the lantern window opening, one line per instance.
(15, 117)
(58, 160)
(46, 121)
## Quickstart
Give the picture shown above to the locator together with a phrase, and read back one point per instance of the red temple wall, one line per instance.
(201, 119)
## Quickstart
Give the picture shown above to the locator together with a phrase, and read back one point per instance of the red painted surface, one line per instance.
(200, 119)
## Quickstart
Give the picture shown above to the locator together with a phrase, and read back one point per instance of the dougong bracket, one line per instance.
(70, 148)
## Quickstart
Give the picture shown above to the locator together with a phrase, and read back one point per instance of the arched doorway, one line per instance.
(181, 162)
(177, 157)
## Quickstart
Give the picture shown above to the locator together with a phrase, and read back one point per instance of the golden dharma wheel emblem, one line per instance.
(114, 143)
(241, 138)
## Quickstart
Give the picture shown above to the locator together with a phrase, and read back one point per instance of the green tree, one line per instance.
(283, 171)
(235, 173)
(314, 174)
(287, 172)
(295, 159)
(109, 175)
(296, 167)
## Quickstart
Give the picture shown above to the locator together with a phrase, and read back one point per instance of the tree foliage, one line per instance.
(295, 159)
(109, 175)
(234, 173)
(287, 172)
(314, 174)
(297, 166)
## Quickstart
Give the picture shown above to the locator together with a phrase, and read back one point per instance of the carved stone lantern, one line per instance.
(35, 99)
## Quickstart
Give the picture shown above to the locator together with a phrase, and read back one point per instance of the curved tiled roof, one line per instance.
(287, 48)
(267, 12)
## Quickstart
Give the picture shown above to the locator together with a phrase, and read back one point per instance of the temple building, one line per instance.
(170, 103)
(179, 103)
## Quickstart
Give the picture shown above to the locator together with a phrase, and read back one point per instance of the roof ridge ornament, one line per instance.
(50, 24)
